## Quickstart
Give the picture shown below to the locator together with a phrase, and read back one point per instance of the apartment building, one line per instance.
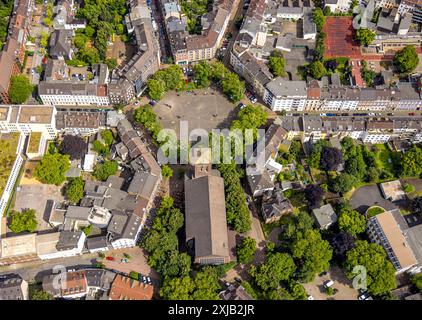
(129, 81)
(281, 94)
(13, 54)
(82, 123)
(401, 242)
(188, 48)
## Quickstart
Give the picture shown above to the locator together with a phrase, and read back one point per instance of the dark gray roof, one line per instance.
(60, 43)
(123, 225)
(68, 240)
(96, 242)
(143, 184)
(11, 287)
(258, 182)
(206, 216)
(77, 213)
(325, 215)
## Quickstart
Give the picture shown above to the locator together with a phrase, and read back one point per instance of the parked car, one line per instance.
(152, 102)
(328, 283)
(412, 114)
(241, 106)
(110, 258)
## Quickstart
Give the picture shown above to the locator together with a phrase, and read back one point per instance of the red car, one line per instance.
(110, 258)
(411, 114)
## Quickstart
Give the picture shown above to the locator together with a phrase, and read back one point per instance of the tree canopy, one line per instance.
(331, 158)
(26, 220)
(246, 250)
(148, 118)
(75, 190)
(41, 295)
(342, 183)
(411, 162)
(380, 273)
(406, 59)
(276, 268)
(351, 222)
(313, 254)
(166, 171)
(316, 69)
(233, 87)
(202, 74)
(107, 135)
(74, 146)
(51, 168)
(276, 63)
(156, 89)
(314, 194)
(237, 211)
(103, 170)
(20, 89)
(365, 36)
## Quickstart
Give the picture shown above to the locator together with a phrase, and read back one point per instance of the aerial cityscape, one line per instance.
(211, 150)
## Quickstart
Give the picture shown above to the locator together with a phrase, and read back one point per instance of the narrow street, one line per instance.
(233, 30)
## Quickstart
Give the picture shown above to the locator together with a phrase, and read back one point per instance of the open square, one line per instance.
(205, 108)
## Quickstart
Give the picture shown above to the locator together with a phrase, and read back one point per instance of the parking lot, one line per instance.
(205, 108)
(345, 291)
(368, 196)
(35, 197)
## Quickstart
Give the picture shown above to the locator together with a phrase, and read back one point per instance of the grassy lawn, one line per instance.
(373, 211)
(34, 142)
(384, 158)
(8, 145)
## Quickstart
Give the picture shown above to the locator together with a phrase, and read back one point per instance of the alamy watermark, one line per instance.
(220, 146)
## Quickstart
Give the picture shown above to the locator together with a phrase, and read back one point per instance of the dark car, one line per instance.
(152, 102)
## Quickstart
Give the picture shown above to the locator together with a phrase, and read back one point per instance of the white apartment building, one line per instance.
(71, 94)
(123, 230)
(281, 94)
(60, 244)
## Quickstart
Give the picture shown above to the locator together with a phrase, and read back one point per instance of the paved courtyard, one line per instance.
(341, 283)
(35, 197)
(367, 196)
(206, 109)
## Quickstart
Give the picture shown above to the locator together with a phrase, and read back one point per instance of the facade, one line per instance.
(13, 287)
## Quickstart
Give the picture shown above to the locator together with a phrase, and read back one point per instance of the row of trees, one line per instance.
(216, 72)
(164, 80)
(147, 117)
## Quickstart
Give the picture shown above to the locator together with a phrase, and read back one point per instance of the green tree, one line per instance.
(172, 77)
(202, 74)
(411, 162)
(51, 168)
(380, 273)
(316, 69)
(20, 89)
(156, 89)
(319, 18)
(312, 253)
(107, 135)
(250, 117)
(41, 295)
(276, 63)
(246, 251)
(343, 183)
(104, 170)
(100, 148)
(75, 190)
(111, 63)
(147, 117)
(166, 171)
(297, 291)
(206, 285)
(23, 221)
(351, 222)
(406, 60)
(417, 281)
(276, 268)
(177, 288)
(233, 87)
(218, 70)
(365, 36)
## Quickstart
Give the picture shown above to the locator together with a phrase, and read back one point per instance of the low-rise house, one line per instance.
(13, 287)
(123, 230)
(324, 216)
(393, 190)
(56, 213)
(90, 160)
(60, 45)
(275, 205)
(402, 243)
(18, 249)
(124, 288)
(235, 292)
(60, 244)
(69, 285)
(97, 244)
(76, 217)
(99, 217)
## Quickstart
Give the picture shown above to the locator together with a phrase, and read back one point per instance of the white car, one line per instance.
(311, 298)
(328, 283)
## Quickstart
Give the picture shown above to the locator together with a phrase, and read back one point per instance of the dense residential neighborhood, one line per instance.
(210, 150)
